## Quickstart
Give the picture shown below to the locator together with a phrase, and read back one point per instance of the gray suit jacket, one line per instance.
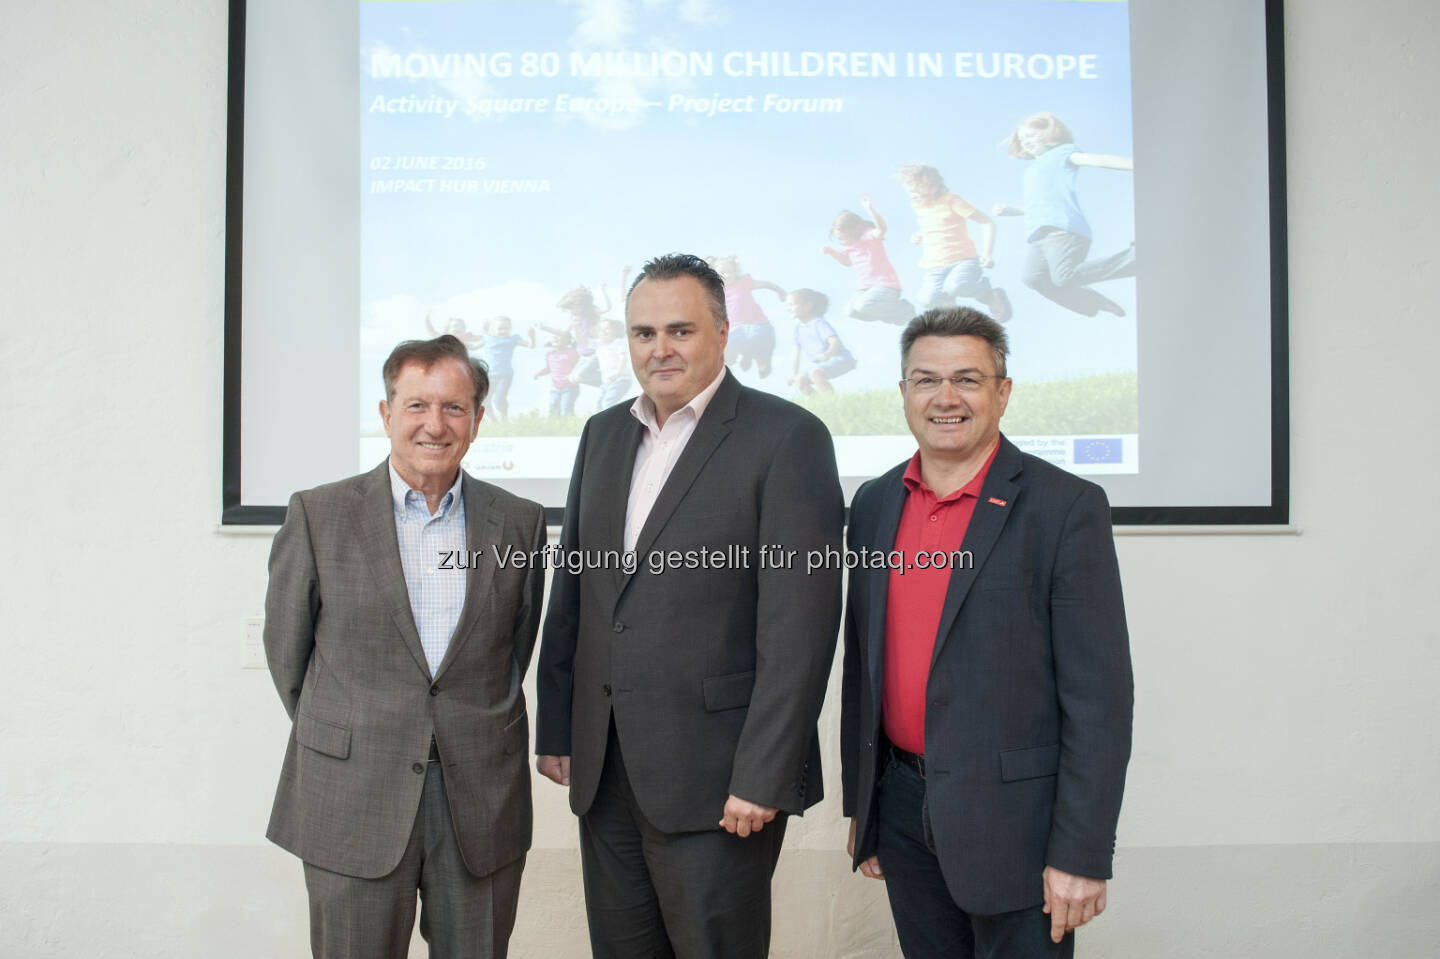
(715, 676)
(346, 658)
(1028, 704)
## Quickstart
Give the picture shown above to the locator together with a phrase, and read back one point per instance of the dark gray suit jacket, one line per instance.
(1028, 705)
(346, 658)
(715, 676)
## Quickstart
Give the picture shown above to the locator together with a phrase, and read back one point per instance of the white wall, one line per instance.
(1282, 797)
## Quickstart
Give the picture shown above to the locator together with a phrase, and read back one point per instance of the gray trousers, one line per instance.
(1056, 268)
(657, 895)
(461, 916)
(881, 303)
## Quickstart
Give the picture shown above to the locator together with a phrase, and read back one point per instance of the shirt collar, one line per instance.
(913, 480)
(399, 489)
(643, 409)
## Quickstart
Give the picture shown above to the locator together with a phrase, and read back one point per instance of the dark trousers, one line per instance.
(929, 923)
(461, 916)
(657, 895)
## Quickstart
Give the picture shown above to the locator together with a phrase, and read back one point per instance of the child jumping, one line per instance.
(456, 328)
(877, 286)
(1057, 231)
(497, 348)
(952, 266)
(560, 361)
(610, 362)
(752, 337)
(816, 342)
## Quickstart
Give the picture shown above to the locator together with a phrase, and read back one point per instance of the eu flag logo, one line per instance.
(1098, 451)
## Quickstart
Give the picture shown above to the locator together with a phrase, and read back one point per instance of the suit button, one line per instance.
(619, 626)
(417, 767)
(434, 690)
(606, 689)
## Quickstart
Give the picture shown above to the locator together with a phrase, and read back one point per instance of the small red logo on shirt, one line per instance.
(997, 501)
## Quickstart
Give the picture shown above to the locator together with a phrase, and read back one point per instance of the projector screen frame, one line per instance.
(235, 512)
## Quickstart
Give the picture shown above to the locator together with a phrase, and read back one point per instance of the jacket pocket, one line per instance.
(728, 692)
(515, 734)
(1032, 762)
(329, 738)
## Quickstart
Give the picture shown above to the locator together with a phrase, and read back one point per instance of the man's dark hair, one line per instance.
(427, 353)
(672, 266)
(956, 321)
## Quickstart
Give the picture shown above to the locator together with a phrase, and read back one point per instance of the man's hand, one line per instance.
(1071, 901)
(871, 866)
(554, 768)
(742, 818)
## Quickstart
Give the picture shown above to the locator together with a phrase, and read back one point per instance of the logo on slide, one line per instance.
(1098, 450)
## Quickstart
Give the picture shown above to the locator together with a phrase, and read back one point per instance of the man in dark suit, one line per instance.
(681, 671)
(397, 643)
(987, 683)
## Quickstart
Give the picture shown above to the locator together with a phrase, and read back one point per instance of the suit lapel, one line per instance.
(985, 525)
(482, 534)
(709, 433)
(615, 467)
(886, 527)
(381, 548)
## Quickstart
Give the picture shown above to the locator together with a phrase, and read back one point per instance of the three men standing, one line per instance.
(987, 705)
(987, 702)
(407, 764)
(675, 700)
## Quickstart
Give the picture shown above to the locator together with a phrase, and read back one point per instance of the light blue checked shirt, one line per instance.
(436, 595)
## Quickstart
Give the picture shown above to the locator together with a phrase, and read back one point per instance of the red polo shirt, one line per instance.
(912, 611)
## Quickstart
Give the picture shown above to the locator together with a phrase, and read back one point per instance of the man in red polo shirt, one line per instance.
(987, 684)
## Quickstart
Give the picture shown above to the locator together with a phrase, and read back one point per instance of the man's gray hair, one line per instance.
(672, 266)
(956, 321)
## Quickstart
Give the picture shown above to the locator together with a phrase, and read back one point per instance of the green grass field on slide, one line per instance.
(1107, 403)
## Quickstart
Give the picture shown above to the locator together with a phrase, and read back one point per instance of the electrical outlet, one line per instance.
(253, 656)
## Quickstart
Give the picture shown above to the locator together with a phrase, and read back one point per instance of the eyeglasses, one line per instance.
(962, 382)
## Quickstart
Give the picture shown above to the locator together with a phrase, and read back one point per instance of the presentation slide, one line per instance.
(1105, 178)
(843, 167)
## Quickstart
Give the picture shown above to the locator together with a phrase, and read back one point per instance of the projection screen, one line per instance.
(1107, 177)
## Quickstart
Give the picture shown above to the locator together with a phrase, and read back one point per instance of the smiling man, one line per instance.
(985, 725)
(678, 702)
(406, 768)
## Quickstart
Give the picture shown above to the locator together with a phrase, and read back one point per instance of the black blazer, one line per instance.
(1029, 699)
(715, 676)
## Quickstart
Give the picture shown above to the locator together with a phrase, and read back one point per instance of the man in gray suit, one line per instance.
(678, 691)
(398, 643)
(987, 685)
